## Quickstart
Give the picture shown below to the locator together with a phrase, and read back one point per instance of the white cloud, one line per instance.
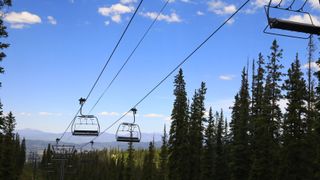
(18, 26)
(167, 118)
(25, 114)
(115, 11)
(19, 20)
(314, 4)
(52, 20)
(221, 8)
(261, 3)
(172, 18)
(314, 66)
(152, 115)
(200, 13)
(283, 104)
(107, 23)
(109, 114)
(231, 21)
(226, 77)
(305, 19)
(49, 114)
(116, 18)
(127, 1)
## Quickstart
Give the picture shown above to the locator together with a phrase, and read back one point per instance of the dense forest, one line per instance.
(260, 141)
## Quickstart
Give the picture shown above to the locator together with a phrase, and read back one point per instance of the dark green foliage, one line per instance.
(163, 167)
(220, 167)
(3, 32)
(12, 151)
(295, 165)
(129, 171)
(316, 126)
(196, 128)
(240, 150)
(208, 169)
(149, 164)
(261, 137)
(178, 136)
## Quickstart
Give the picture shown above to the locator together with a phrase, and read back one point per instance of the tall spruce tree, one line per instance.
(316, 126)
(260, 134)
(163, 167)
(220, 167)
(130, 165)
(294, 164)
(208, 169)
(178, 136)
(271, 109)
(240, 154)
(196, 128)
(149, 164)
(8, 163)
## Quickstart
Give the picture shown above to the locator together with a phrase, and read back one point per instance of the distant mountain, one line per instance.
(32, 134)
(38, 146)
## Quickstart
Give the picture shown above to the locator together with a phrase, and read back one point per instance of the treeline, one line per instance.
(260, 142)
(12, 149)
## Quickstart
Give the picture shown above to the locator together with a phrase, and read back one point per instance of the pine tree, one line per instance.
(178, 135)
(208, 170)
(240, 160)
(271, 109)
(149, 166)
(197, 111)
(163, 172)
(294, 165)
(8, 163)
(316, 126)
(220, 167)
(262, 137)
(130, 165)
(273, 88)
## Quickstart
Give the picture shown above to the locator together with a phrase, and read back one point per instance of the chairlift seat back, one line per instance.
(294, 26)
(128, 132)
(86, 125)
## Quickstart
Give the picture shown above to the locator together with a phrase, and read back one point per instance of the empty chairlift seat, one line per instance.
(285, 24)
(128, 132)
(86, 125)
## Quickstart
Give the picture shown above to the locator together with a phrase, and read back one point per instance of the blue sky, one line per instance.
(58, 49)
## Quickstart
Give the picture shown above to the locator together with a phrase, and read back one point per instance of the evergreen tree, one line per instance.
(273, 89)
(294, 164)
(220, 168)
(260, 134)
(163, 172)
(197, 111)
(208, 170)
(240, 160)
(130, 165)
(149, 166)
(178, 135)
(311, 113)
(8, 163)
(316, 126)
(271, 109)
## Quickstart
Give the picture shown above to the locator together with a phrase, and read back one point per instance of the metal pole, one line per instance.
(62, 169)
